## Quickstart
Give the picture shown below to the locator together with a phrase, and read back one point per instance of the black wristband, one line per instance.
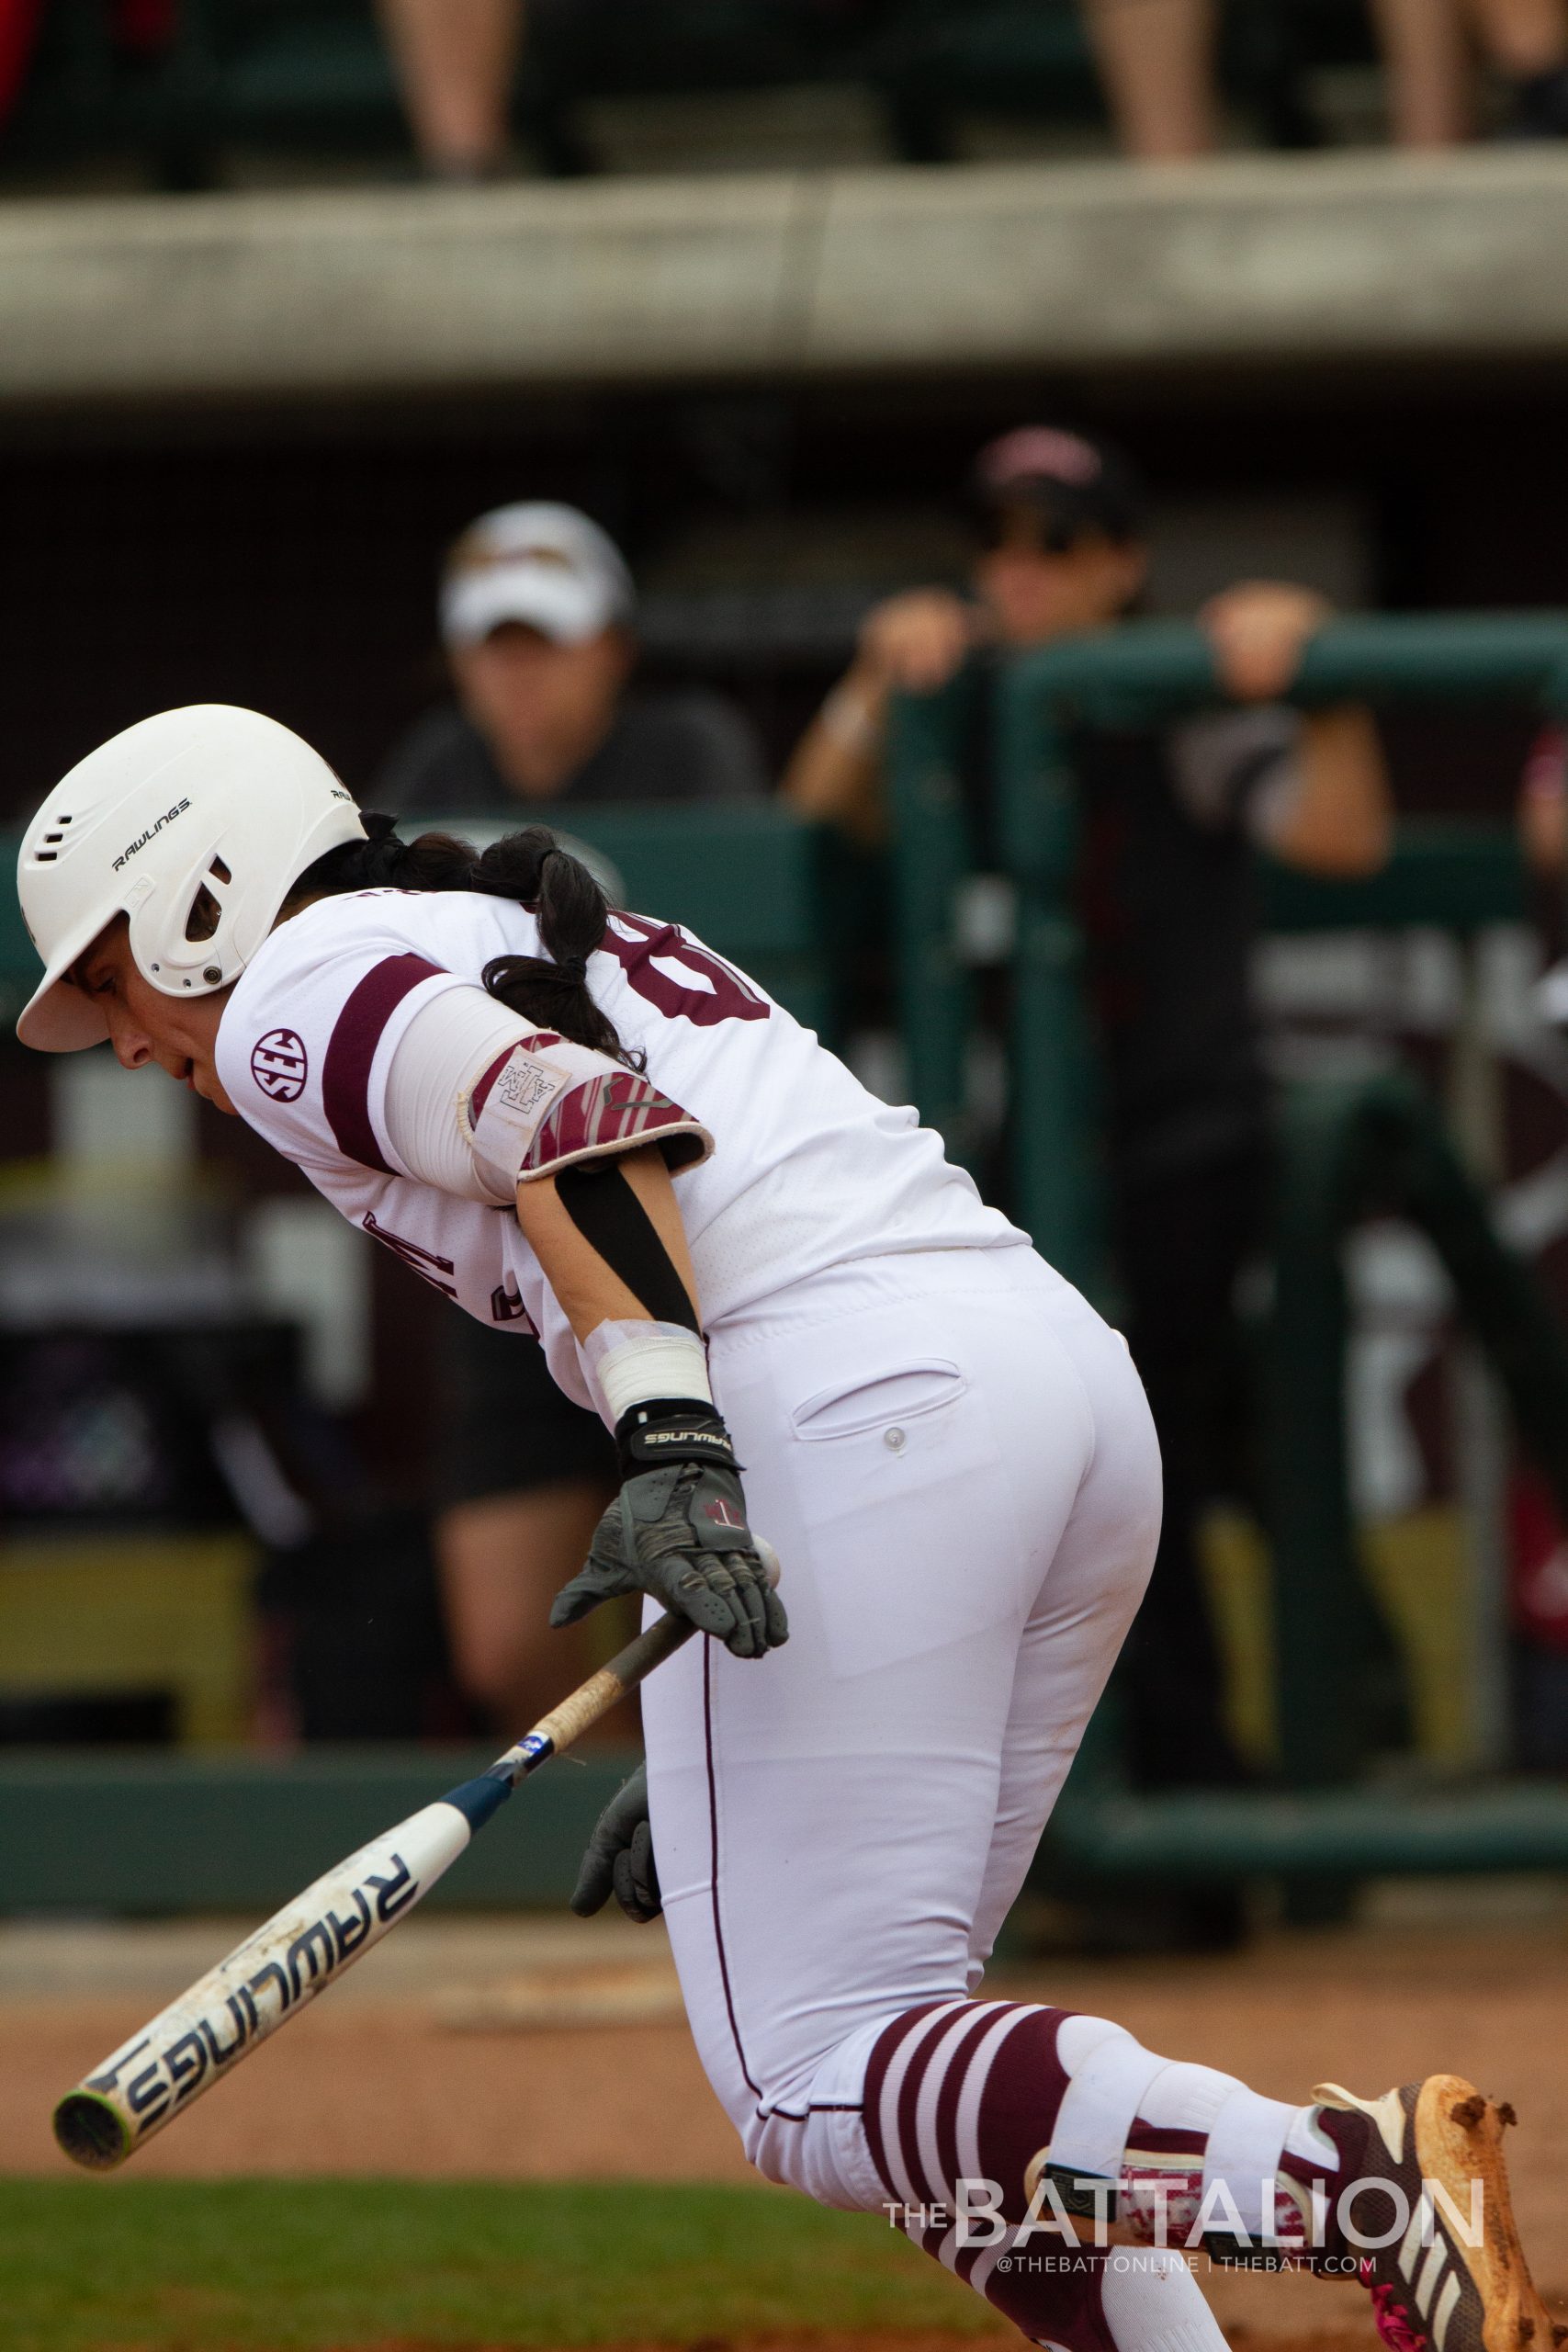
(671, 1429)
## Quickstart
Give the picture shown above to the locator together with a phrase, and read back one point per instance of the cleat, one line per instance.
(1439, 2145)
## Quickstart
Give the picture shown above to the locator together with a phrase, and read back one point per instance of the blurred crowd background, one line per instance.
(253, 1488)
(491, 87)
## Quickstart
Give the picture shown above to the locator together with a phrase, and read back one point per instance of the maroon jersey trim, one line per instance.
(345, 1073)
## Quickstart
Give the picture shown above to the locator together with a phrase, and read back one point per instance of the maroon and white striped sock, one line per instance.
(966, 2104)
(1125, 2299)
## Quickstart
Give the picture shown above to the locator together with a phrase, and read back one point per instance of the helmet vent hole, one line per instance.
(204, 917)
(219, 871)
(45, 856)
(54, 837)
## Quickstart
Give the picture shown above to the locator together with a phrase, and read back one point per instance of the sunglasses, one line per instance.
(1034, 528)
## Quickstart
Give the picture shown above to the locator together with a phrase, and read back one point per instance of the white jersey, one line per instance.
(808, 1171)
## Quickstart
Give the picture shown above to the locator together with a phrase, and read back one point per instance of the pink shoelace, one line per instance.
(1393, 2320)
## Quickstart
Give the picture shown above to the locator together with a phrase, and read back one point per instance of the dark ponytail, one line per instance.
(557, 888)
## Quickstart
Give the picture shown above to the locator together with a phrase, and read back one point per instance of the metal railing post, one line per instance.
(1318, 1595)
(1056, 1156)
(1142, 676)
(931, 854)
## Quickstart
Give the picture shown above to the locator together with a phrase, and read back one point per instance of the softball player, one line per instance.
(583, 1127)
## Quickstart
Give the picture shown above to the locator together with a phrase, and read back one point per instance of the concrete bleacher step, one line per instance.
(1302, 263)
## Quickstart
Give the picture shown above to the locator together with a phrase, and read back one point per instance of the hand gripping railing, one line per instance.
(1020, 724)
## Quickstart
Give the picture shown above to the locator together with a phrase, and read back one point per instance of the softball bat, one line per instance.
(306, 1947)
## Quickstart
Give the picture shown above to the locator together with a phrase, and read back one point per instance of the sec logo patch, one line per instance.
(279, 1067)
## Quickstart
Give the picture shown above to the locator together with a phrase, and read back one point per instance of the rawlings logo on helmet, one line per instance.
(151, 834)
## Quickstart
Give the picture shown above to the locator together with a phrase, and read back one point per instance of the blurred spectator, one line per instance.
(1166, 897)
(19, 22)
(1527, 41)
(537, 611)
(1157, 61)
(1543, 804)
(136, 29)
(457, 61)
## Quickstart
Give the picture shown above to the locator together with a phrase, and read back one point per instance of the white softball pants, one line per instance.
(953, 1457)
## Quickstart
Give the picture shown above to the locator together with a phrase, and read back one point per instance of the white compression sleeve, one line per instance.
(449, 1043)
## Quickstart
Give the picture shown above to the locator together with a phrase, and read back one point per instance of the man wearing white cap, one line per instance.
(536, 616)
(537, 611)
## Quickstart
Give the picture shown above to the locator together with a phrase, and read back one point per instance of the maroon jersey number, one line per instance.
(727, 996)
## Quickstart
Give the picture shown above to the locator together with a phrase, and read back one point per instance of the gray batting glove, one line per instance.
(619, 1859)
(678, 1531)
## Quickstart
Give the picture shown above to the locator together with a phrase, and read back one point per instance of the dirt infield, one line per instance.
(813, 2342)
(461, 2061)
(1332, 2340)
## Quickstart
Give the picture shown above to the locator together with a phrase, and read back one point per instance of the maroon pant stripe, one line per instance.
(754, 2087)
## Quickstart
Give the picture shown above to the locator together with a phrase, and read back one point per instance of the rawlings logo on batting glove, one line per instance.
(678, 1531)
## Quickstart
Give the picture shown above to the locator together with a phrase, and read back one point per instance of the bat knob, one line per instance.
(769, 1558)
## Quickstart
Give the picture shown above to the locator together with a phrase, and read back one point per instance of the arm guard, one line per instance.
(547, 1104)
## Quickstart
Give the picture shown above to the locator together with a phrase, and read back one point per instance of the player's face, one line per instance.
(542, 707)
(178, 1034)
(1035, 591)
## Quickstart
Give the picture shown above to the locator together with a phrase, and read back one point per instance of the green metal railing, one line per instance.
(1144, 675)
(1336, 1147)
(148, 1832)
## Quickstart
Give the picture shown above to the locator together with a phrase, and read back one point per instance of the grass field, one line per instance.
(259, 2266)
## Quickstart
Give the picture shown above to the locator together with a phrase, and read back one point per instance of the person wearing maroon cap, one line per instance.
(1172, 820)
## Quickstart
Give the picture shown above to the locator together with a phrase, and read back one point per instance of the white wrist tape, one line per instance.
(631, 1363)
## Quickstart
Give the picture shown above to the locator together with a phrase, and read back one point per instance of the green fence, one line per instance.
(1141, 675)
(139, 1834)
(1457, 878)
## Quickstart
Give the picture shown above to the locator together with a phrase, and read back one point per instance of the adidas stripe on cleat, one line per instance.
(1433, 2152)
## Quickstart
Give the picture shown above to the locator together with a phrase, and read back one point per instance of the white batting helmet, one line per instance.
(208, 798)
